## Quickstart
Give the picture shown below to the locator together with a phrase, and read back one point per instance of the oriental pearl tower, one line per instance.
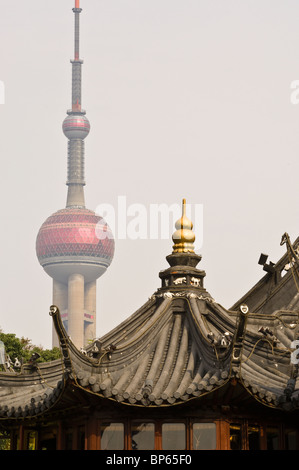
(74, 245)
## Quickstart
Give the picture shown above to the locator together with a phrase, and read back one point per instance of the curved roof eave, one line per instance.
(178, 347)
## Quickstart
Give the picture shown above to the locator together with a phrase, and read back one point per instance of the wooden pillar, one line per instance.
(12, 441)
(75, 437)
(223, 435)
(158, 436)
(59, 438)
(91, 434)
(21, 437)
(127, 435)
(189, 434)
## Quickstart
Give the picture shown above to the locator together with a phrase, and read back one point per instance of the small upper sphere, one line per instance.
(76, 126)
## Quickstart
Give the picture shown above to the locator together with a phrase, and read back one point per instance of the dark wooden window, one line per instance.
(157, 434)
(260, 436)
(47, 440)
(31, 440)
(254, 438)
(69, 440)
(291, 439)
(272, 434)
(112, 436)
(235, 437)
(142, 435)
(204, 436)
(173, 436)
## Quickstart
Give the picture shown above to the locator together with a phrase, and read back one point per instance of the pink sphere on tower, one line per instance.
(75, 240)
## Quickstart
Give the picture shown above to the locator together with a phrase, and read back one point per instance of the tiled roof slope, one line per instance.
(32, 391)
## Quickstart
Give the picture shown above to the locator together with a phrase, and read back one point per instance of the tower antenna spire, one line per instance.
(76, 126)
(76, 63)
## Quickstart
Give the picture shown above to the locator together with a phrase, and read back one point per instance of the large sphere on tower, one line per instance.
(75, 240)
(76, 126)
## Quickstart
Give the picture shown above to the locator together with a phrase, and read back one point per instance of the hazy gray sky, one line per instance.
(186, 98)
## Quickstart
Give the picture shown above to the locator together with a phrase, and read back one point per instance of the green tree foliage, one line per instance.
(4, 440)
(22, 349)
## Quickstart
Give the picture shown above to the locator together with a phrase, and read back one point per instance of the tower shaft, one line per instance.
(75, 173)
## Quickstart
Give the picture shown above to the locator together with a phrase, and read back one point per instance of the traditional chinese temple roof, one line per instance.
(181, 345)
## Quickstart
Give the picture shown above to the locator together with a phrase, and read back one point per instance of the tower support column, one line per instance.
(90, 309)
(76, 309)
(60, 300)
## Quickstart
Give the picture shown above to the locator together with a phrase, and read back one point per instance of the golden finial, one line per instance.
(183, 237)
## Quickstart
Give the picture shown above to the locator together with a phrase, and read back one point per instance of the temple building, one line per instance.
(182, 373)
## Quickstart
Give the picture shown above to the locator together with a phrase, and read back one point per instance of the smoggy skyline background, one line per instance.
(185, 99)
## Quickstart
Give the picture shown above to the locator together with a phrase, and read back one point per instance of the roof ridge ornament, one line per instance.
(184, 236)
(183, 260)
